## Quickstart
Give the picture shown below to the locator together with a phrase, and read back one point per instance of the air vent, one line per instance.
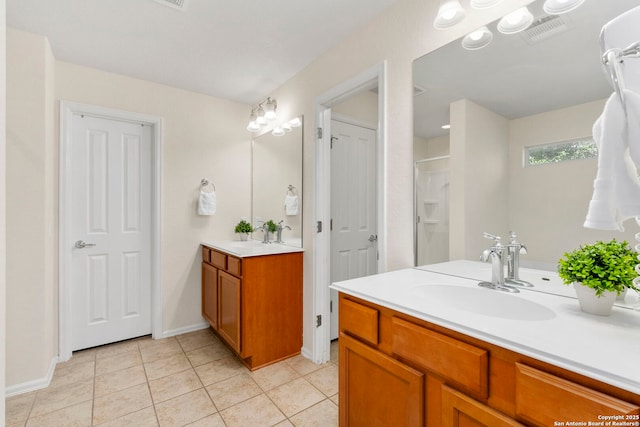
(543, 28)
(175, 4)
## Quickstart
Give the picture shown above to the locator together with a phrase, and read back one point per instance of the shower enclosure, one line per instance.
(432, 210)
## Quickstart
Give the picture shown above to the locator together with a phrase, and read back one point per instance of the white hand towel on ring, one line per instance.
(207, 203)
(291, 205)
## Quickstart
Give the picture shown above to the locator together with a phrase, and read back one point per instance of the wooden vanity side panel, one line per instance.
(465, 365)
(271, 308)
(542, 399)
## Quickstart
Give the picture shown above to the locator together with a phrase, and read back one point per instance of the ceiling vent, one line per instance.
(175, 4)
(545, 27)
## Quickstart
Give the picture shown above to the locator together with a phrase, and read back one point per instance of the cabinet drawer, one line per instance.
(219, 259)
(542, 398)
(462, 364)
(461, 410)
(359, 320)
(206, 254)
(234, 265)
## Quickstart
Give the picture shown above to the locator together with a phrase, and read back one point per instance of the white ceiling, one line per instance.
(234, 49)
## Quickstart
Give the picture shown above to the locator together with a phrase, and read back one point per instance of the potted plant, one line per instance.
(599, 272)
(243, 229)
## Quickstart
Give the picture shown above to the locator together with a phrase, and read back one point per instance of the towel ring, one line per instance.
(205, 182)
(292, 189)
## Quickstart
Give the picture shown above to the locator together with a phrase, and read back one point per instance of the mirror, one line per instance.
(537, 87)
(276, 181)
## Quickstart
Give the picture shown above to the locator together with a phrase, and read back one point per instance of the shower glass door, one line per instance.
(432, 210)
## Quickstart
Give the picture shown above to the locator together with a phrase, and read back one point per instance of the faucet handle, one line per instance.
(491, 237)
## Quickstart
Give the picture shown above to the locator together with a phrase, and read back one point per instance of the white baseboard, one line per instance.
(33, 385)
(305, 352)
(184, 330)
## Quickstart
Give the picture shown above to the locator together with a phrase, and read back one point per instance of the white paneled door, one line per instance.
(110, 231)
(354, 235)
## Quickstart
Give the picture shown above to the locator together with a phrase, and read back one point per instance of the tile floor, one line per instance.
(190, 379)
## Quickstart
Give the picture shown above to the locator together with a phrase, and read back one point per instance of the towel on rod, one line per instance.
(291, 205)
(616, 188)
(207, 203)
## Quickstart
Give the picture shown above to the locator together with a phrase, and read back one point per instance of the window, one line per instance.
(575, 149)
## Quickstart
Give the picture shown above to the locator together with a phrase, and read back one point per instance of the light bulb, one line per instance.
(516, 21)
(277, 131)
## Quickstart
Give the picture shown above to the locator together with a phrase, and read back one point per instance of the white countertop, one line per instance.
(250, 248)
(551, 328)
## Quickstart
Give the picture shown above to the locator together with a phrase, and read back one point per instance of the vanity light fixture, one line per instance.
(477, 39)
(295, 123)
(484, 4)
(261, 114)
(449, 14)
(558, 7)
(286, 126)
(516, 21)
(278, 131)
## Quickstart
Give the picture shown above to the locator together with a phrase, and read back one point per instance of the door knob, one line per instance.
(373, 238)
(80, 244)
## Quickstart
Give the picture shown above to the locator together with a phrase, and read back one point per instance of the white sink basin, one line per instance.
(487, 302)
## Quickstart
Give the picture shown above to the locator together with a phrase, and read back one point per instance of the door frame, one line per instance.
(375, 75)
(67, 110)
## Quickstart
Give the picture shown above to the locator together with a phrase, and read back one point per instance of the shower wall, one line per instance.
(432, 210)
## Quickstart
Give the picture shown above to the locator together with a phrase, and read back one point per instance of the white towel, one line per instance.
(291, 205)
(616, 194)
(207, 203)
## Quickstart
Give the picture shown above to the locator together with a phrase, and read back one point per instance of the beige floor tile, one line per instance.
(117, 362)
(325, 379)
(207, 354)
(79, 357)
(214, 420)
(302, 365)
(143, 418)
(233, 390)
(274, 375)
(285, 423)
(197, 339)
(220, 370)
(170, 365)
(168, 387)
(295, 396)
(161, 351)
(185, 409)
(115, 405)
(335, 351)
(117, 348)
(147, 341)
(335, 399)
(17, 408)
(258, 411)
(324, 414)
(76, 415)
(52, 399)
(119, 380)
(68, 374)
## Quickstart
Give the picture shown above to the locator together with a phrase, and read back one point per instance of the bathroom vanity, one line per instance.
(252, 298)
(424, 348)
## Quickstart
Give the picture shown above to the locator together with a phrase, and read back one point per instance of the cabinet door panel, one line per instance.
(375, 388)
(210, 294)
(459, 410)
(229, 309)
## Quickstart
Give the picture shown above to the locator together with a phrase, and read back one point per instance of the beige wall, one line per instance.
(548, 203)
(429, 148)
(478, 172)
(362, 107)
(31, 209)
(3, 198)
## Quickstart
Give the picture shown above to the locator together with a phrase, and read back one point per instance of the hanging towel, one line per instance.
(207, 203)
(616, 189)
(291, 205)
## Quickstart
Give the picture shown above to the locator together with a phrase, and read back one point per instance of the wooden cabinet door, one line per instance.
(229, 288)
(459, 410)
(376, 390)
(210, 294)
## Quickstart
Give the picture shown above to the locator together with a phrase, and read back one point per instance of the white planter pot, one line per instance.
(622, 295)
(593, 304)
(243, 237)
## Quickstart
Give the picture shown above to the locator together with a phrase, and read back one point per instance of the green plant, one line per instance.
(271, 226)
(243, 227)
(603, 266)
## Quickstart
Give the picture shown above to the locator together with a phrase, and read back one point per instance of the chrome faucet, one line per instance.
(265, 231)
(495, 254)
(279, 231)
(514, 250)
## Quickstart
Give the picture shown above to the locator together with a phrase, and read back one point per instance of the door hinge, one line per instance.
(319, 227)
(333, 138)
(318, 320)
(331, 225)
(331, 306)
(319, 133)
